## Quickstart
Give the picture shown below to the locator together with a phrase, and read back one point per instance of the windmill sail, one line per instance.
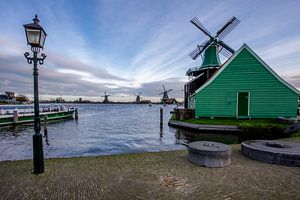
(199, 25)
(229, 26)
(200, 48)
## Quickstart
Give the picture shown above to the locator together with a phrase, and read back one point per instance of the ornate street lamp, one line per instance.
(36, 36)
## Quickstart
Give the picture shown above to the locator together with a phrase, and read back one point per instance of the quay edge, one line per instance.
(204, 127)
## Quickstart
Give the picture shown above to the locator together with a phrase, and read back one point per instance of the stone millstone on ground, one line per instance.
(209, 154)
(162, 175)
(273, 151)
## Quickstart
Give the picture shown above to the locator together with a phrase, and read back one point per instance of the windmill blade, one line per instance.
(200, 48)
(199, 25)
(139, 93)
(196, 53)
(225, 52)
(169, 90)
(164, 88)
(160, 93)
(229, 26)
(228, 48)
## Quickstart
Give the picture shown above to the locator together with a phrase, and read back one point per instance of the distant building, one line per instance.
(9, 94)
(59, 100)
(170, 101)
(8, 97)
(22, 99)
(4, 98)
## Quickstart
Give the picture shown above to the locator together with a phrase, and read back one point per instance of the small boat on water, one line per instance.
(21, 114)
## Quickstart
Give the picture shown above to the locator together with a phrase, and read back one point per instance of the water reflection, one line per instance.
(46, 138)
(161, 133)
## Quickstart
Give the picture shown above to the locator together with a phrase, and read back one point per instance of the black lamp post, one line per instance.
(36, 36)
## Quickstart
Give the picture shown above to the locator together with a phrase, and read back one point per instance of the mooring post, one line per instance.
(15, 116)
(161, 117)
(45, 126)
(76, 113)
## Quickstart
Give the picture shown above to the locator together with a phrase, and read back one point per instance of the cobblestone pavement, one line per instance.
(163, 175)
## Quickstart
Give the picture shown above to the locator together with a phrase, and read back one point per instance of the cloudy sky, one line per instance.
(127, 46)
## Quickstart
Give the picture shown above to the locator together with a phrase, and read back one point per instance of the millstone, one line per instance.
(209, 154)
(273, 151)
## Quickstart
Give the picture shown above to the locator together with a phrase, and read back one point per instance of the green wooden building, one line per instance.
(245, 87)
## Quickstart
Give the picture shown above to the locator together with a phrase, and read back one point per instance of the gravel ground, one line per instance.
(163, 175)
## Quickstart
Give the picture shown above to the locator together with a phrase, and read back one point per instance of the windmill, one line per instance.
(209, 51)
(105, 98)
(138, 97)
(212, 46)
(165, 94)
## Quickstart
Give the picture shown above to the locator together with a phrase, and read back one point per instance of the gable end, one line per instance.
(244, 46)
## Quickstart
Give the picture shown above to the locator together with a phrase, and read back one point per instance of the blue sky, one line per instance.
(124, 47)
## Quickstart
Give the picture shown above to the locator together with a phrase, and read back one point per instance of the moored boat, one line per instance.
(21, 114)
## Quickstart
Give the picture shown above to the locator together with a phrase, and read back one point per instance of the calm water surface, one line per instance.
(100, 130)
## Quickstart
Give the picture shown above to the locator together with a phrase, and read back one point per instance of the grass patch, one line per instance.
(173, 117)
(263, 130)
(235, 122)
(296, 134)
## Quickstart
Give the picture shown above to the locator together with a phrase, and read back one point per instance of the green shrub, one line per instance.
(263, 130)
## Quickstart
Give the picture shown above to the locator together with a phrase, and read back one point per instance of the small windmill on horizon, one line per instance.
(105, 97)
(138, 98)
(165, 96)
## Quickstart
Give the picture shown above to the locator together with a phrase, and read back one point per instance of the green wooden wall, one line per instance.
(269, 98)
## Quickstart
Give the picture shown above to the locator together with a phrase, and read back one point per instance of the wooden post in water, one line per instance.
(45, 126)
(76, 113)
(161, 117)
(15, 116)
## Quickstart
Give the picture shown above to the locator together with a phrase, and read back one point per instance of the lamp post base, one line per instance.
(38, 155)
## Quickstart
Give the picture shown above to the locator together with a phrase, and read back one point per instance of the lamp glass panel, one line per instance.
(33, 36)
(43, 37)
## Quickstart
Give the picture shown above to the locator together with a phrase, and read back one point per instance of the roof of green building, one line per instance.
(244, 46)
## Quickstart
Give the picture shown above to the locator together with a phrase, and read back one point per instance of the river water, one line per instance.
(102, 129)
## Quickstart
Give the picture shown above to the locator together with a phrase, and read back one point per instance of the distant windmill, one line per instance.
(165, 94)
(105, 98)
(138, 97)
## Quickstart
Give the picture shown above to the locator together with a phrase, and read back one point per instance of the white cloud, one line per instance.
(284, 47)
